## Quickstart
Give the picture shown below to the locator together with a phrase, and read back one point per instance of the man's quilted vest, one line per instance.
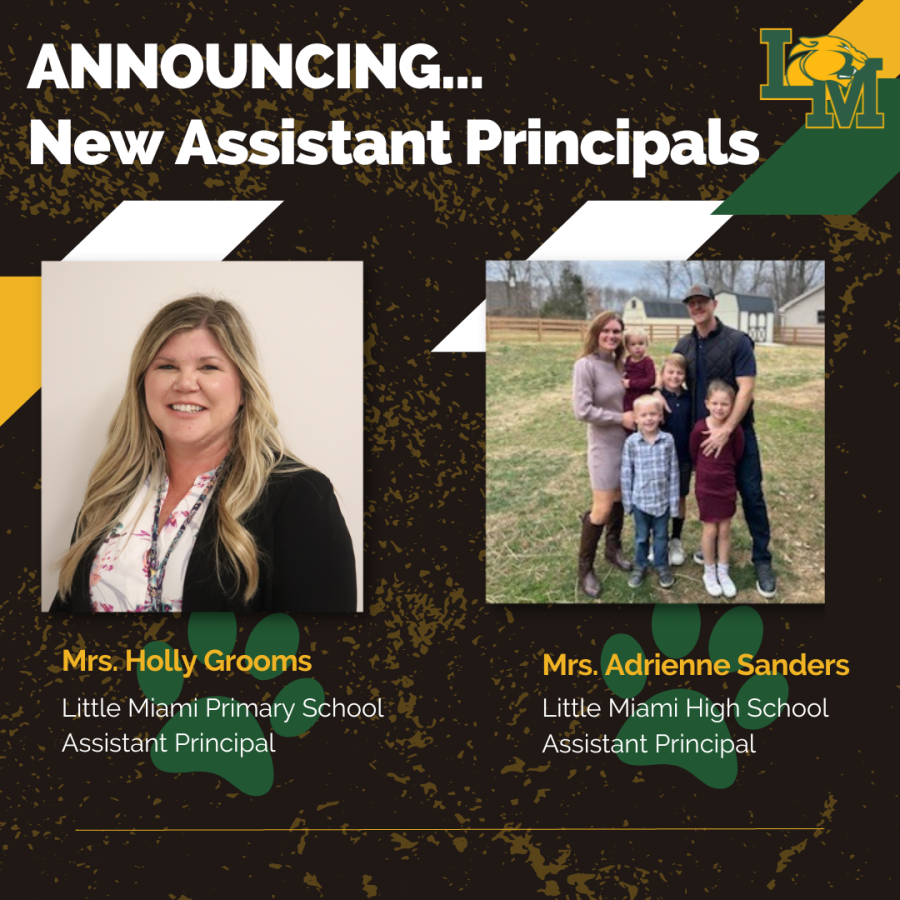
(721, 346)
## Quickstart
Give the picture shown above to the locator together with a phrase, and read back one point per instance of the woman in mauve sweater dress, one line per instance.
(597, 397)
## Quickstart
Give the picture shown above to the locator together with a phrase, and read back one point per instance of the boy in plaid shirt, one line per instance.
(650, 488)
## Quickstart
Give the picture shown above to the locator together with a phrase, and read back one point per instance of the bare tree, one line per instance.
(719, 274)
(550, 272)
(754, 276)
(687, 274)
(609, 297)
(517, 276)
(789, 278)
(781, 279)
(512, 271)
(663, 277)
(594, 293)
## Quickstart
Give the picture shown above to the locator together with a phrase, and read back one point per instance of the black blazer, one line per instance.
(306, 556)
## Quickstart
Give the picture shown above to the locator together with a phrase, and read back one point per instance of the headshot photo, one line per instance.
(655, 431)
(201, 437)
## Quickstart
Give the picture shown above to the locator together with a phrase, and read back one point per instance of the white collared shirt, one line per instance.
(119, 574)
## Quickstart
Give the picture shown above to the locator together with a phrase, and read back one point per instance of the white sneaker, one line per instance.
(676, 552)
(725, 582)
(711, 583)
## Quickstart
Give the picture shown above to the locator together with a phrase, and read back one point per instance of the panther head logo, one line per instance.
(824, 58)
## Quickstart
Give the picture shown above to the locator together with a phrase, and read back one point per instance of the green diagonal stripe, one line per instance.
(829, 171)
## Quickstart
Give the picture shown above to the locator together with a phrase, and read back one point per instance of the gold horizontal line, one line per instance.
(486, 828)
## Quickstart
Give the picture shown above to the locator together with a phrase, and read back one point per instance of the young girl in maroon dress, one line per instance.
(716, 486)
(640, 373)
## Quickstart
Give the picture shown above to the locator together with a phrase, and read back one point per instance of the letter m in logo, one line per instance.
(839, 80)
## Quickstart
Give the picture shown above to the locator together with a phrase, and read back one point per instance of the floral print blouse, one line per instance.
(120, 572)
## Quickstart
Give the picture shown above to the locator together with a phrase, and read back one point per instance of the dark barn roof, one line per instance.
(749, 303)
(665, 309)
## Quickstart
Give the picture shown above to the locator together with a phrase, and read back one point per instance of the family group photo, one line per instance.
(655, 432)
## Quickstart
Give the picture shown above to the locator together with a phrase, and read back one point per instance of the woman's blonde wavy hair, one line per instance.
(135, 450)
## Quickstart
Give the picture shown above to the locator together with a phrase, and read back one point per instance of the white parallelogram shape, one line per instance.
(469, 336)
(634, 229)
(613, 230)
(172, 230)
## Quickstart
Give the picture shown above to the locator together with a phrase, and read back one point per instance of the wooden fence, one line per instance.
(805, 335)
(501, 328)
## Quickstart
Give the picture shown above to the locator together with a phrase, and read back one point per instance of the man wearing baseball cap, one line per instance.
(715, 351)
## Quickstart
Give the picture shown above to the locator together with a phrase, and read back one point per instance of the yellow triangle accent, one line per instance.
(20, 342)
(872, 28)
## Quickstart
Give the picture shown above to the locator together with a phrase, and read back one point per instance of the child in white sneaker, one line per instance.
(716, 487)
(650, 489)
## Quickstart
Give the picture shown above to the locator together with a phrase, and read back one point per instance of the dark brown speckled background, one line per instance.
(464, 747)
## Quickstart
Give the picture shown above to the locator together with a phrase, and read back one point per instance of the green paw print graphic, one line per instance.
(247, 761)
(671, 736)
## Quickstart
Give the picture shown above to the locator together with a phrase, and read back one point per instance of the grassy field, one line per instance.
(537, 482)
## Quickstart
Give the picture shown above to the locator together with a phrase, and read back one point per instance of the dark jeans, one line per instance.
(749, 485)
(643, 525)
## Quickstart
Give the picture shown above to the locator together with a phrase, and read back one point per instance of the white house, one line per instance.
(807, 309)
(641, 313)
(753, 315)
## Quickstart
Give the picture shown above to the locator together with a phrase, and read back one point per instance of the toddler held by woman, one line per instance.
(640, 373)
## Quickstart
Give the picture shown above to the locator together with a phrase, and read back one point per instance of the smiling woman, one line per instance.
(598, 396)
(195, 503)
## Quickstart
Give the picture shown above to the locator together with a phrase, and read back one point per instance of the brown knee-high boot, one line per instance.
(614, 552)
(590, 537)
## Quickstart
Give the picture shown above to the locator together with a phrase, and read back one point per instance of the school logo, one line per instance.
(840, 80)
